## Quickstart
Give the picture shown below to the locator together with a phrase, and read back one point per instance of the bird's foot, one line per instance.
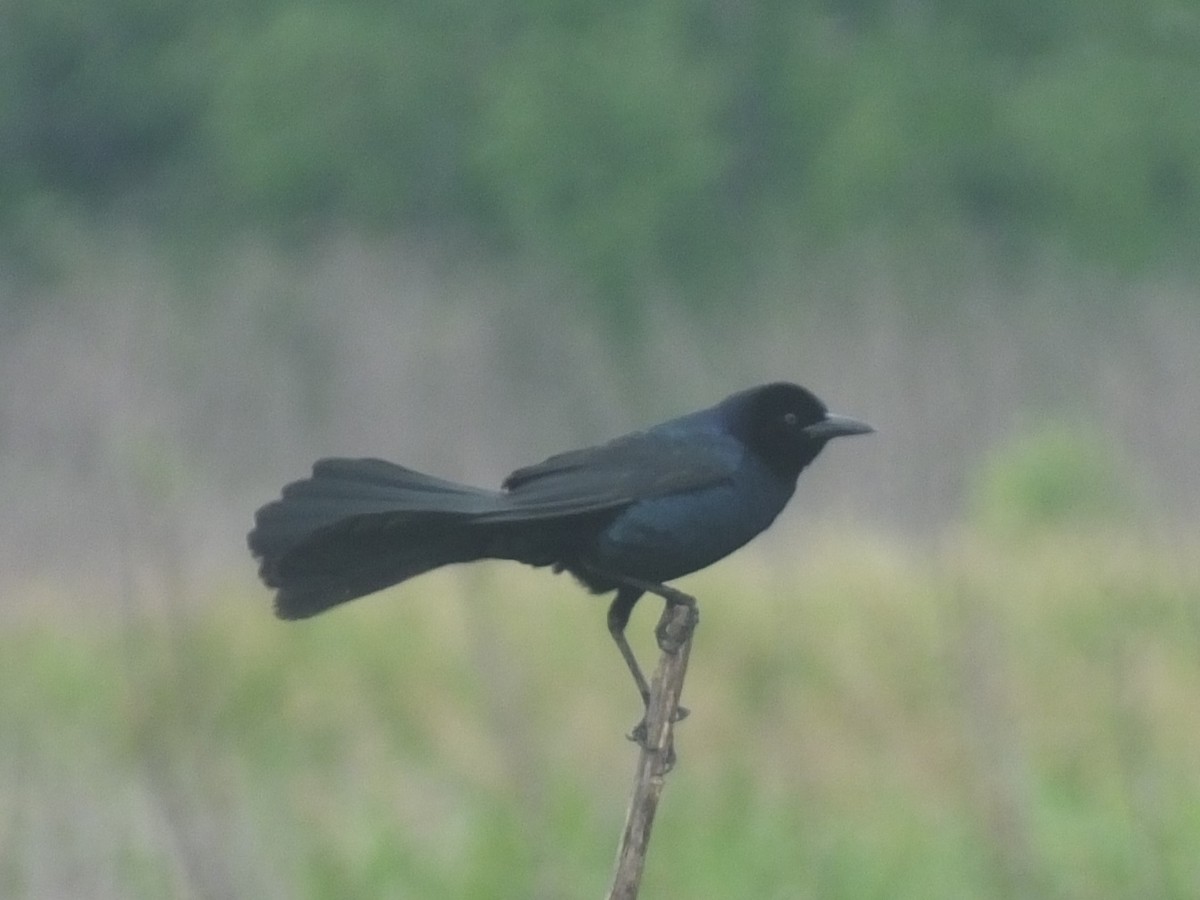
(640, 733)
(675, 627)
(640, 736)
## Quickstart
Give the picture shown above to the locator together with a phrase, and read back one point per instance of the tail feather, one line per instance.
(358, 526)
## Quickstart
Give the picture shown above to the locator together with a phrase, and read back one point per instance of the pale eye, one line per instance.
(790, 419)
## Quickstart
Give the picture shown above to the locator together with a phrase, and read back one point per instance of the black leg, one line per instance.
(618, 618)
(628, 594)
(668, 642)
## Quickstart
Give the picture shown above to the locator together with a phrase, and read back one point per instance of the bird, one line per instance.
(627, 516)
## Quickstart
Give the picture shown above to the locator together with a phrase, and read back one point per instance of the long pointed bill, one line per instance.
(837, 426)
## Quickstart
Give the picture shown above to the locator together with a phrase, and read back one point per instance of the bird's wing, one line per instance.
(614, 475)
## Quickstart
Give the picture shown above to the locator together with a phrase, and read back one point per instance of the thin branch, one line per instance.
(658, 750)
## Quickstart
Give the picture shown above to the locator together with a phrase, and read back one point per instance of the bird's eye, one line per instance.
(790, 419)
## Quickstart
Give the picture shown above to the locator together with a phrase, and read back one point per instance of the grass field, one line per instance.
(975, 720)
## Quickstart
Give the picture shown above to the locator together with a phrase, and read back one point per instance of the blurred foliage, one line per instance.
(990, 720)
(622, 141)
(1058, 476)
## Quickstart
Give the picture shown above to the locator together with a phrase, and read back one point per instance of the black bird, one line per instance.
(627, 516)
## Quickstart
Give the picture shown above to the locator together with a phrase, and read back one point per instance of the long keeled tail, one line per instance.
(360, 525)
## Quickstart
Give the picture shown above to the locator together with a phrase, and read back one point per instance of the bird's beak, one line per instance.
(837, 426)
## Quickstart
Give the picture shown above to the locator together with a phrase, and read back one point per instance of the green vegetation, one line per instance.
(988, 721)
(925, 210)
(1056, 477)
(624, 142)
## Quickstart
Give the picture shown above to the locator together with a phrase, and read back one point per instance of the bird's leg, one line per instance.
(670, 639)
(618, 618)
(671, 636)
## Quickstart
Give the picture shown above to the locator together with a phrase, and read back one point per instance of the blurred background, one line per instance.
(235, 238)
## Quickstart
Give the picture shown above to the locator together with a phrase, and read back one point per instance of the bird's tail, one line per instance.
(360, 525)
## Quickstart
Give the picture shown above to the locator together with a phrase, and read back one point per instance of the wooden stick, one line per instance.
(658, 750)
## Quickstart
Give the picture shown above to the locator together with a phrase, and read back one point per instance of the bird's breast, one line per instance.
(662, 538)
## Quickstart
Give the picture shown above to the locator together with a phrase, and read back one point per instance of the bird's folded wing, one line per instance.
(614, 475)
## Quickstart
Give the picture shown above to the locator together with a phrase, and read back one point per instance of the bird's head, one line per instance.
(785, 426)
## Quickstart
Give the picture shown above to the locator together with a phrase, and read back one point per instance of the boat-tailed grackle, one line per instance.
(629, 515)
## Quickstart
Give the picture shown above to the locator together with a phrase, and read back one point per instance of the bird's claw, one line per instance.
(640, 736)
(641, 733)
(674, 631)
